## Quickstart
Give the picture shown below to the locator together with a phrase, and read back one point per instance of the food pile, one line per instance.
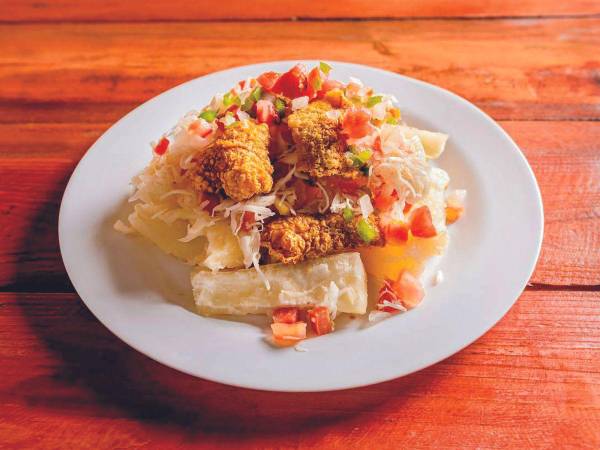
(283, 190)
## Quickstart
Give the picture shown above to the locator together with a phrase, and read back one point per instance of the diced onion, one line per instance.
(228, 120)
(299, 103)
(356, 81)
(340, 202)
(379, 110)
(243, 115)
(456, 198)
(366, 207)
(333, 114)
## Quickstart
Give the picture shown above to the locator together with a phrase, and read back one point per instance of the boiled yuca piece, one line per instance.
(433, 142)
(166, 236)
(218, 248)
(338, 282)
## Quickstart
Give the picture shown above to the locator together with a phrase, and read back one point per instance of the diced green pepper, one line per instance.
(364, 155)
(347, 214)
(366, 231)
(391, 121)
(374, 100)
(230, 99)
(317, 83)
(256, 93)
(248, 104)
(325, 68)
(208, 115)
(252, 99)
(280, 107)
(359, 158)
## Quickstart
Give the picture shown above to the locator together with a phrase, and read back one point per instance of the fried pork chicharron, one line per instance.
(316, 136)
(238, 162)
(296, 238)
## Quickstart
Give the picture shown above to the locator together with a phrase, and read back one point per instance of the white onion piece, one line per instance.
(366, 207)
(456, 198)
(299, 103)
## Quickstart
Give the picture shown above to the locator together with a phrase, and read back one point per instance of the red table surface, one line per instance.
(68, 69)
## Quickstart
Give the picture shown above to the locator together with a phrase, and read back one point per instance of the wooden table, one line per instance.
(68, 69)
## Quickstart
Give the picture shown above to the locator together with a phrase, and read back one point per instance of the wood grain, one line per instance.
(531, 382)
(513, 69)
(182, 10)
(68, 69)
(37, 159)
(565, 157)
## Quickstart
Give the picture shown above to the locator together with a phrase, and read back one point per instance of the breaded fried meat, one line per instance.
(238, 162)
(316, 136)
(296, 238)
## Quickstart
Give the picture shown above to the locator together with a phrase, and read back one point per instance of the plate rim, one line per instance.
(533, 258)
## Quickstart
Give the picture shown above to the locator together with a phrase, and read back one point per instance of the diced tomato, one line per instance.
(383, 200)
(285, 315)
(248, 219)
(320, 320)
(407, 207)
(396, 232)
(267, 80)
(453, 214)
(288, 333)
(233, 109)
(162, 146)
(291, 84)
(377, 144)
(305, 193)
(421, 223)
(355, 123)
(315, 82)
(200, 127)
(265, 111)
(346, 185)
(329, 85)
(408, 288)
(281, 138)
(213, 200)
(387, 294)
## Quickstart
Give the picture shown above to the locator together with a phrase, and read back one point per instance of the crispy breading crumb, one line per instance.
(238, 162)
(316, 135)
(294, 239)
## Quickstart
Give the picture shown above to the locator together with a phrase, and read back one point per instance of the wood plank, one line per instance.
(37, 159)
(533, 381)
(182, 10)
(565, 157)
(513, 69)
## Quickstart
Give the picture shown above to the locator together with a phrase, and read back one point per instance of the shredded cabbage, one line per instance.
(366, 207)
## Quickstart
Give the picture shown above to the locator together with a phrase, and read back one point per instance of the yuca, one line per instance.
(338, 282)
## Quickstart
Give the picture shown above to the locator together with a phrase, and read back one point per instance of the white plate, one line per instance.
(143, 296)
